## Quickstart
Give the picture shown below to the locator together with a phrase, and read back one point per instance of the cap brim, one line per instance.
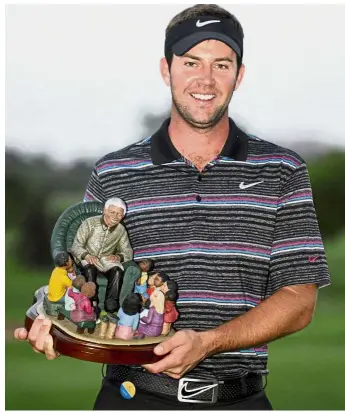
(182, 46)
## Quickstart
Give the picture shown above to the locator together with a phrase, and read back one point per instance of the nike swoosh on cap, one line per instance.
(201, 24)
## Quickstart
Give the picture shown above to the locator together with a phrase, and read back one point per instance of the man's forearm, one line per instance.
(283, 313)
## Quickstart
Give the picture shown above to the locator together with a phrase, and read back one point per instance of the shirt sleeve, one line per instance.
(94, 189)
(297, 253)
(78, 249)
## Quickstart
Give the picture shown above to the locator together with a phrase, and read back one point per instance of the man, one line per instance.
(100, 245)
(228, 216)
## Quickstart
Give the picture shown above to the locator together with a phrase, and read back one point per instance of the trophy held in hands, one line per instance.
(104, 306)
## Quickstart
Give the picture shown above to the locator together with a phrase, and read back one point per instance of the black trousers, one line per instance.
(112, 293)
(109, 398)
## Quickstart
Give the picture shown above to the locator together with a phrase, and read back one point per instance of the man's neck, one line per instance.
(200, 146)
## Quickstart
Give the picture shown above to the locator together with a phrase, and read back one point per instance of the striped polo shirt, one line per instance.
(229, 236)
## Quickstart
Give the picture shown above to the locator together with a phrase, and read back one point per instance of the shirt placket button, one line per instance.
(199, 179)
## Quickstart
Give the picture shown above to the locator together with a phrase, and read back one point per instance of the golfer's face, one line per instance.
(203, 80)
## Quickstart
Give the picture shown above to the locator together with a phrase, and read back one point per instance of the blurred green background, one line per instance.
(306, 369)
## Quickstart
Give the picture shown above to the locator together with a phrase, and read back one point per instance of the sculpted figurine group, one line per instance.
(138, 302)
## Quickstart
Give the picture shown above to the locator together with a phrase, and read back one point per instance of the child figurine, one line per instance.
(132, 273)
(59, 281)
(170, 312)
(169, 285)
(145, 266)
(141, 286)
(77, 283)
(160, 279)
(128, 317)
(152, 324)
(83, 310)
(150, 283)
(145, 308)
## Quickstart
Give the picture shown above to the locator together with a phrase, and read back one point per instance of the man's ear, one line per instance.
(165, 72)
(240, 76)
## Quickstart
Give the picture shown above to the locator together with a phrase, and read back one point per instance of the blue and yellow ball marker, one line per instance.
(127, 390)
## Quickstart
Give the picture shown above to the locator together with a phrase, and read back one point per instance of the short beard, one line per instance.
(183, 111)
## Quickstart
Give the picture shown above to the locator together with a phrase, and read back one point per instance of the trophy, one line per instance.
(104, 306)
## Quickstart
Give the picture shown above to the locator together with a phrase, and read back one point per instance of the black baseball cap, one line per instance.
(187, 34)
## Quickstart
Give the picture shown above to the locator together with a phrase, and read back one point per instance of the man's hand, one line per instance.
(114, 258)
(91, 260)
(185, 350)
(39, 337)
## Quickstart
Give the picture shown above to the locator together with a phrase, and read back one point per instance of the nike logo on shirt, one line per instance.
(246, 186)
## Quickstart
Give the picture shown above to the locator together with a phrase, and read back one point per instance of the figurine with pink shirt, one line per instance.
(77, 283)
(83, 308)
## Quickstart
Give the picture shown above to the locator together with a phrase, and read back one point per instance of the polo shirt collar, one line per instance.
(163, 151)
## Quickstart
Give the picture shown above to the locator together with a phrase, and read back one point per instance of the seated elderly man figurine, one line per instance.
(101, 245)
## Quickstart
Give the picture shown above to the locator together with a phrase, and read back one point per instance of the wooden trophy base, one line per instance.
(89, 346)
